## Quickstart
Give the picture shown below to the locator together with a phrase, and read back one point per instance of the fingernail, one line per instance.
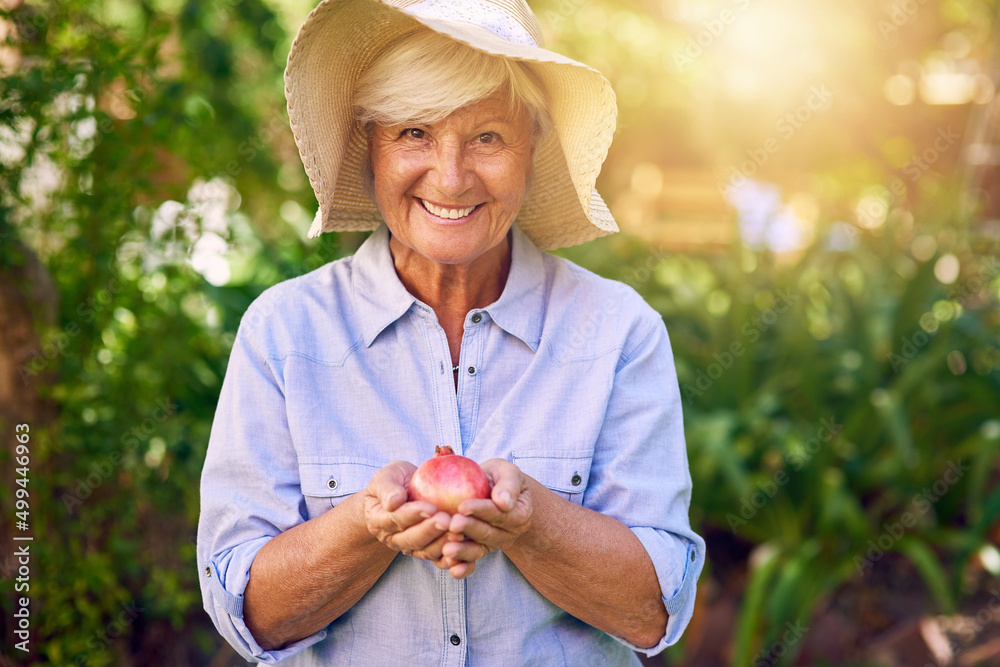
(425, 515)
(440, 526)
(506, 500)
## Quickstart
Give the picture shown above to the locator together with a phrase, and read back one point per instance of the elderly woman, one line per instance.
(445, 128)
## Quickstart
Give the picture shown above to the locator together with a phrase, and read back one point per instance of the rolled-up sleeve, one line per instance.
(250, 491)
(640, 473)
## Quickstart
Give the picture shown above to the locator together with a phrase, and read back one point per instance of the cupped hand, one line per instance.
(490, 524)
(413, 528)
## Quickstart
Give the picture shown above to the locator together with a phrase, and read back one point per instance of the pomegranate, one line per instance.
(446, 479)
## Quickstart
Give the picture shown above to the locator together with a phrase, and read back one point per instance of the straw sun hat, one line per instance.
(342, 37)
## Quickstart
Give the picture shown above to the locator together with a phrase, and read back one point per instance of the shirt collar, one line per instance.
(382, 299)
(380, 296)
(519, 309)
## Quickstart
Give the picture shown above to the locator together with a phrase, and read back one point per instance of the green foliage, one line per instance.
(825, 394)
(841, 401)
(103, 124)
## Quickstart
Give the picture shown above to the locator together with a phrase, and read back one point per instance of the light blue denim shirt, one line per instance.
(338, 372)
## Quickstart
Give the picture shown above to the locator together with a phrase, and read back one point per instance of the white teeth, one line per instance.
(447, 213)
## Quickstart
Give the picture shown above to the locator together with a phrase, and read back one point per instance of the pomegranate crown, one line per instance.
(443, 451)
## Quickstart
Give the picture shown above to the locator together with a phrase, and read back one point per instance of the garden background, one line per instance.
(809, 193)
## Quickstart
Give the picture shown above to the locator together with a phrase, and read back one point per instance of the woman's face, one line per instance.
(450, 190)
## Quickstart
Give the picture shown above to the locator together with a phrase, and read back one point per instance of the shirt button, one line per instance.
(208, 571)
(477, 318)
(456, 640)
(332, 484)
(693, 556)
(472, 370)
(576, 480)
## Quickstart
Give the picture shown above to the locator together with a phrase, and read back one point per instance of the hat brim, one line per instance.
(341, 38)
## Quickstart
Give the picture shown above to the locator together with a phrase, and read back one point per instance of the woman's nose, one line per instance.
(452, 174)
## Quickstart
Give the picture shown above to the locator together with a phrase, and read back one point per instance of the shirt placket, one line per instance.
(469, 375)
(455, 621)
(446, 418)
(456, 413)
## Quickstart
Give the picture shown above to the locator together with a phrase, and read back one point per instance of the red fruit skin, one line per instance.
(447, 479)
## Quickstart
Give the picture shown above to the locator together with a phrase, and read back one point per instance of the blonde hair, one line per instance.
(426, 76)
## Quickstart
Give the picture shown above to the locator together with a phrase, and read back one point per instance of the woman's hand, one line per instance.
(414, 528)
(491, 524)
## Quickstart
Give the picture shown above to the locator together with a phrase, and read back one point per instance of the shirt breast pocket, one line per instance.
(565, 473)
(327, 482)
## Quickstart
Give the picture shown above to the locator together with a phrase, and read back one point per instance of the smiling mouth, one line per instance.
(447, 213)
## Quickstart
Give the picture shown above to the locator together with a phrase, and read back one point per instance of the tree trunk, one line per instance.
(28, 305)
